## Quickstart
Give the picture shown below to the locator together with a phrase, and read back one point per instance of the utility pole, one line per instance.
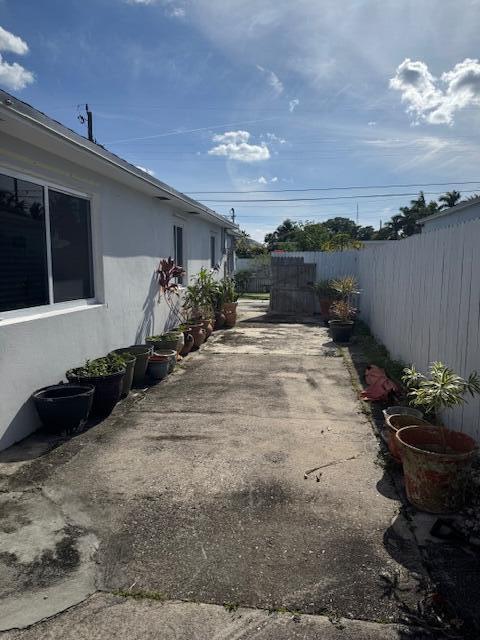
(232, 214)
(89, 121)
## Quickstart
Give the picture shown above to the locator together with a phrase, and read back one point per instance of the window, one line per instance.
(45, 246)
(178, 249)
(213, 260)
(70, 247)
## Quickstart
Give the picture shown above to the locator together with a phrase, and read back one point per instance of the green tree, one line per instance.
(449, 199)
(286, 232)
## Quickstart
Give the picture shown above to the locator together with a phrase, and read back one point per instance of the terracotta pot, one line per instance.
(325, 304)
(208, 326)
(219, 320)
(230, 311)
(394, 423)
(187, 347)
(436, 464)
(198, 333)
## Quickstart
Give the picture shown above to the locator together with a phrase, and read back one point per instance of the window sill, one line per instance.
(48, 312)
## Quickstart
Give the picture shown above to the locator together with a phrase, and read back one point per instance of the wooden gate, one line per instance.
(292, 286)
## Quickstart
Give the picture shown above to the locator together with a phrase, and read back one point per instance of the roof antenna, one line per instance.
(89, 121)
(232, 214)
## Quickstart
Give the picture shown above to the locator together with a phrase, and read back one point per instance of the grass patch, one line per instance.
(375, 353)
(231, 607)
(255, 296)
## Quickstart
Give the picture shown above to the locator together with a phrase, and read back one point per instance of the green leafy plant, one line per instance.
(442, 389)
(343, 311)
(113, 363)
(346, 286)
(325, 289)
(228, 290)
(201, 295)
(242, 279)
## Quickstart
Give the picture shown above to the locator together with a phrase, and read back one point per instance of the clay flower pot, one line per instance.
(187, 347)
(230, 311)
(141, 353)
(436, 464)
(394, 423)
(325, 304)
(208, 326)
(219, 320)
(198, 333)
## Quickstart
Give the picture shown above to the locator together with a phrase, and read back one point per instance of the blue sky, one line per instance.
(259, 95)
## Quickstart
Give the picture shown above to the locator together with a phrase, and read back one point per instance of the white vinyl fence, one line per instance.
(421, 299)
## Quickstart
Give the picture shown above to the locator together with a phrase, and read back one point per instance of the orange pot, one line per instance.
(436, 463)
(394, 423)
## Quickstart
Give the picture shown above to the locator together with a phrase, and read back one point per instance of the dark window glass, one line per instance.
(213, 261)
(70, 236)
(178, 245)
(23, 250)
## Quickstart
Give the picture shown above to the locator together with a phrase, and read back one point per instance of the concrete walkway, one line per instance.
(186, 514)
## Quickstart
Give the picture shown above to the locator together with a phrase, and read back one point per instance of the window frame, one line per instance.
(51, 305)
(213, 250)
(182, 279)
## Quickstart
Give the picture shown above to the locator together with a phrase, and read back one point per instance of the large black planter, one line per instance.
(141, 352)
(341, 331)
(107, 391)
(130, 360)
(64, 407)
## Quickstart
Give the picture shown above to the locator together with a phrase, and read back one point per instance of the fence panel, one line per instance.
(421, 299)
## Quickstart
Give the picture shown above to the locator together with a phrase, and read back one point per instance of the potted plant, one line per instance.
(129, 359)
(64, 407)
(106, 376)
(141, 353)
(188, 344)
(172, 340)
(158, 366)
(171, 356)
(436, 460)
(230, 297)
(326, 296)
(341, 325)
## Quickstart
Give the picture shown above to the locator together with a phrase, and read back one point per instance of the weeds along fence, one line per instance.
(421, 299)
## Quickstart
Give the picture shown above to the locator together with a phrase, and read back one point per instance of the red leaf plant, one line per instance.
(167, 274)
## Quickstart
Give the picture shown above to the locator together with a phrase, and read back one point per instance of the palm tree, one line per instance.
(449, 199)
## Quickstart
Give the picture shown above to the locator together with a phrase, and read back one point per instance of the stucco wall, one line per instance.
(131, 232)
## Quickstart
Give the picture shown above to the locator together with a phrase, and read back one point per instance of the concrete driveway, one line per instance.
(186, 514)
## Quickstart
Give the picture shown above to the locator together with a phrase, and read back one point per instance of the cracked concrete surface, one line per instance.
(197, 493)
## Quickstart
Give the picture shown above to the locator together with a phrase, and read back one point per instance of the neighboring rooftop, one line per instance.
(460, 207)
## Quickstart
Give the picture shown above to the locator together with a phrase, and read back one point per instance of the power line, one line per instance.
(373, 186)
(352, 197)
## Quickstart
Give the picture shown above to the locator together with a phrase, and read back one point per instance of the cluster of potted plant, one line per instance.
(94, 389)
(336, 298)
(436, 460)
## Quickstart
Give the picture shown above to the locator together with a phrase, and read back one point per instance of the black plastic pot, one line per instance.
(107, 391)
(64, 407)
(141, 352)
(341, 331)
(130, 360)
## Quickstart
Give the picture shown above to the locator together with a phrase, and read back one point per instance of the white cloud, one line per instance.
(9, 42)
(436, 101)
(293, 104)
(372, 123)
(170, 9)
(149, 171)
(235, 145)
(13, 76)
(274, 179)
(262, 180)
(272, 79)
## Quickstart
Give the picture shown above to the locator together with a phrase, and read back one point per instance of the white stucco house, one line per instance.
(81, 235)
(460, 213)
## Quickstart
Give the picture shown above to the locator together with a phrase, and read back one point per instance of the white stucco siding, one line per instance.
(131, 231)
